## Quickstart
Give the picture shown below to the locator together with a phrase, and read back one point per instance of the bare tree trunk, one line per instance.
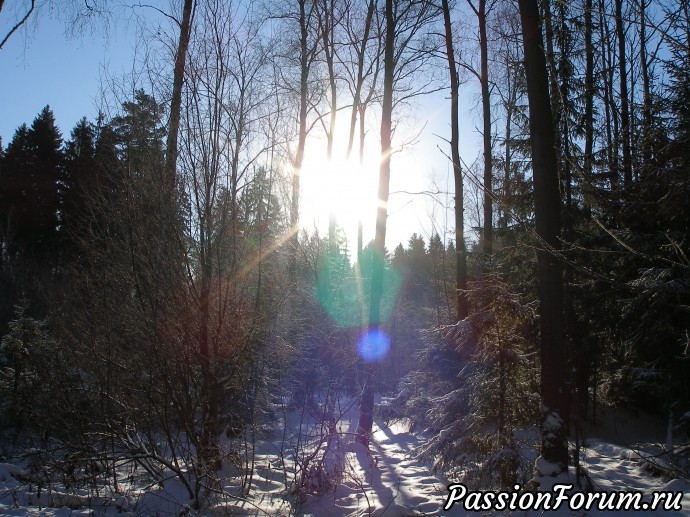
(551, 68)
(460, 256)
(359, 82)
(480, 12)
(362, 134)
(554, 447)
(176, 102)
(612, 132)
(564, 124)
(327, 28)
(359, 104)
(625, 111)
(486, 111)
(646, 92)
(302, 136)
(512, 75)
(589, 94)
(366, 418)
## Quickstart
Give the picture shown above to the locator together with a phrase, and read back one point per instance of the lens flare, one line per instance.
(343, 290)
(373, 345)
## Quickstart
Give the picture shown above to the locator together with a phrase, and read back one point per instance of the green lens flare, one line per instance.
(344, 292)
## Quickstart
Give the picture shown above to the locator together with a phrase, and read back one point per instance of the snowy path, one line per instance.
(386, 480)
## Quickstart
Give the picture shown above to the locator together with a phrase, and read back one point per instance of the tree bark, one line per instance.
(302, 136)
(625, 110)
(646, 91)
(554, 446)
(176, 102)
(487, 236)
(612, 131)
(359, 81)
(563, 128)
(589, 94)
(486, 111)
(327, 29)
(359, 104)
(366, 418)
(460, 256)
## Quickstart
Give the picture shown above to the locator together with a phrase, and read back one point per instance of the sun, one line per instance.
(349, 190)
(341, 187)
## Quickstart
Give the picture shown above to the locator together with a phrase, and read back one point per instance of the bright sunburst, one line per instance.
(341, 187)
(349, 191)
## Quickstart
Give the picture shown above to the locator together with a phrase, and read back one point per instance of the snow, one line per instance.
(546, 468)
(9, 472)
(553, 421)
(385, 479)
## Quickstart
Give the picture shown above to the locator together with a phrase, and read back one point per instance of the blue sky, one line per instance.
(43, 66)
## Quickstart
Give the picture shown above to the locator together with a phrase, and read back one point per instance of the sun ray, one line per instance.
(256, 259)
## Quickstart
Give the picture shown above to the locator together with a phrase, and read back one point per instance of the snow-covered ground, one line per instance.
(386, 479)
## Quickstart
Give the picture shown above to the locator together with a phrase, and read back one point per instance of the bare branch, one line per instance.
(19, 24)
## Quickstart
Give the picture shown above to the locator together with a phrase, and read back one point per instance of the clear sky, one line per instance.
(43, 66)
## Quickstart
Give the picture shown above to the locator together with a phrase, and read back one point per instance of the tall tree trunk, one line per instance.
(563, 128)
(327, 27)
(507, 161)
(554, 445)
(509, 101)
(589, 96)
(646, 92)
(460, 256)
(612, 130)
(359, 106)
(209, 449)
(176, 102)
(366, 418)
(301, 137)
(486, 114)
(359, 81)
(362, 135)
(551, 68)
(625, 111)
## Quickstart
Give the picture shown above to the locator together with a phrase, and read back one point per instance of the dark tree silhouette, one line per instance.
(554, 445)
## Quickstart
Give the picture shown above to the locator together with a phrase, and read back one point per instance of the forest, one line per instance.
(176, 340)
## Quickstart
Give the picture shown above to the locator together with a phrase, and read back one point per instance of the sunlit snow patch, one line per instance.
(373, 345)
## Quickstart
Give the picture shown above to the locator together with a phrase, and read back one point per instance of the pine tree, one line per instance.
(47, 162)
(33, 172)
(28, 355)
(81, 169)
(110, 180)
(419, 267)
(140, 133)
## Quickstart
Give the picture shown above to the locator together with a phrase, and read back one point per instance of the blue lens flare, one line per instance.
(373, 345)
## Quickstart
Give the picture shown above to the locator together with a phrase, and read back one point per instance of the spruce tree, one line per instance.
(32, 176)
(80, 175)
(47, 173)
(14, 193)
